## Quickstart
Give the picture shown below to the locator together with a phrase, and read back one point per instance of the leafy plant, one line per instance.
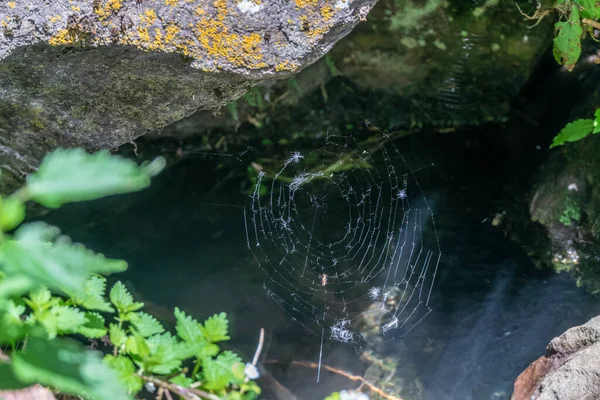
(51, 288)
(577, 130)
(571, 213)
(574, 18)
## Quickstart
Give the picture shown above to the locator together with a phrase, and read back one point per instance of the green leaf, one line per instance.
(190, 331)
(596, 121)
(219, 372)
(333, 396)
(68, 367)
(188, 328)
(125, 370)
(93, 327)
(57, 264)
(12, 213)
(573, 131)
(41, 299)
(68, 175)
(215, 328)
(92, 297)
(8, 379)
(166, 353)
(145, 324)
(137, 346)
(182, 380)
(117, 336)
(567, 41)
(60, 319)
(13, 327)
(589, 9)
(122, 299)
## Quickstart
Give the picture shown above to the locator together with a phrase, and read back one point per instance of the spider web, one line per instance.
(349, 241)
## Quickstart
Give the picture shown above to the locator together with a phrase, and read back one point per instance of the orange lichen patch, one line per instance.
(218, 42)
(62, 37)
(306, 3)
(107, 8)
(172, 3)
(326, 13)
(12, 4)
(286, 66)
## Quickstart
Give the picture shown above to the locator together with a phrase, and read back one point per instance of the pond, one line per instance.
(464, 328)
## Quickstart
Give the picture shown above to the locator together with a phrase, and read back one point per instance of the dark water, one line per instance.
(493, 312)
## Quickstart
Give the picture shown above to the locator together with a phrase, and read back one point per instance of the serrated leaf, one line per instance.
(215, 328)
(122, 299)
(218, 372)
(92, 297)
(137, 346)
(67, 366)
(125, 370)
(188, 328)
(567, 40)
(12, 213)
(41, 299)
(60, 319)
(93, 326)
(57, 264)
(573, 131)
(190, 331)
(68, 175)
(117, 336)
(166, 353)
(145, 324)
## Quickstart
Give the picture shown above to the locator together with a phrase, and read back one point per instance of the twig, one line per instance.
(261, 340)
(589, 22)
(168, 395)
(345, 374)
(251, 371)
(186, 393)
(159, 393)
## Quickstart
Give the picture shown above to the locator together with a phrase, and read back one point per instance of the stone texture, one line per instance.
(570, 370)
(101, 73)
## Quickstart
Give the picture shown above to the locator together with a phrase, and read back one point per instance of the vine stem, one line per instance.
(345, 374)
(185, 393)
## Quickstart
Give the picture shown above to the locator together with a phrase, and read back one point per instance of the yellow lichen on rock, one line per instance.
(63, 37)
(107, 8)
(306, 3)
(326, 13)
(12, 4)
(218, 42)
(211, 36)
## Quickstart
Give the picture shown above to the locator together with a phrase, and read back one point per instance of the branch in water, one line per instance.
(345, 374)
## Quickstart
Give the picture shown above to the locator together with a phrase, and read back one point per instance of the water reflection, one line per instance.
(493, 312)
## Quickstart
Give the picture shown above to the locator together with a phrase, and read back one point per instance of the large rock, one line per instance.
(570, 370)
(101, 73)
(441, 63)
